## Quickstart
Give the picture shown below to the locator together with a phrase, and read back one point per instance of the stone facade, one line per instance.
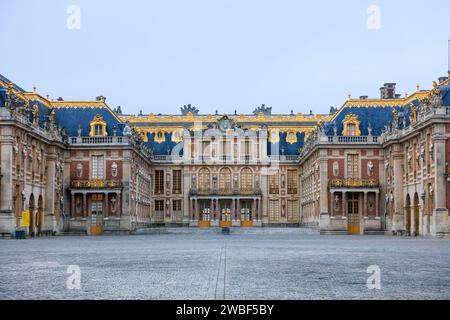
(373, 166)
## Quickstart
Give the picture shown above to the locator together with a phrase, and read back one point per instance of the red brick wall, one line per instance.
(73, 170)
(108, 169)
(341, 174)
(376, 168)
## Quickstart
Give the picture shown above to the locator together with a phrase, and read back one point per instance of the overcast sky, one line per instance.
(223, 54)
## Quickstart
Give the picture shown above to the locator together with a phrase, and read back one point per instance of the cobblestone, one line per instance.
(280, 264)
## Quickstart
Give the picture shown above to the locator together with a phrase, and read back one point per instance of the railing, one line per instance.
(98, 140)
(352, 139)
(354, 183)
(224, 192)
(96, 184)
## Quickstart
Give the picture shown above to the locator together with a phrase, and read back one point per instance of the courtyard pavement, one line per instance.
(258, 264)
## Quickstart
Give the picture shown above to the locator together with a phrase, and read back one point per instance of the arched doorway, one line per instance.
(408, 214)
(31, 210)
(39, 217)
(416, 214)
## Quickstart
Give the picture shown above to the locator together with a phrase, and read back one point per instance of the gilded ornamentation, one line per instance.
(291, 137)
(35, 113)
(395, 116)
(413, 114)
(274, 136)
(98, 127)
(351, 125)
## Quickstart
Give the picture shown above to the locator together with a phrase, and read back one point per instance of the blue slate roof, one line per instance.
(163, 148)
(285, 148)
(72, 117)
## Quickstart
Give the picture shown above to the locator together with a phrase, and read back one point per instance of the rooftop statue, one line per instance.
(189, 108)
(265, 110)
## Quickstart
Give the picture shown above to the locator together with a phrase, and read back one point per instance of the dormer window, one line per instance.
(98, 130)
(351, 125)
(98, 127)
(351, 129)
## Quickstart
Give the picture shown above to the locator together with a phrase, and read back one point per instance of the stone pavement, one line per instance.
(265, 264)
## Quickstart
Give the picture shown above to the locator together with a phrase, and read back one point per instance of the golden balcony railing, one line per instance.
(354, 183)
(96, 184)
(224, 192)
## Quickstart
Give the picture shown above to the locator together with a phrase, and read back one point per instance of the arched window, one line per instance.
(225, 179)
(204, 179)
(246, 179)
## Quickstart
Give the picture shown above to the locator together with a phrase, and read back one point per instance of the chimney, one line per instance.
(398, 96)
(387, 91)
(363, 97)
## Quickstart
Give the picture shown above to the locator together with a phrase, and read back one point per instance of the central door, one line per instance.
(205, 214)
(97, 214)
(225, 213)
(353, 213)
(246, 213)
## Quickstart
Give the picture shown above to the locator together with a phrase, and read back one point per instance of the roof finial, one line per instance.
(34, 89)
(349, 96)
(406, 94)
(418, 87)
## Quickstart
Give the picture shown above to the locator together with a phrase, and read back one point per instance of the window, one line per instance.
(159, 210)
(245, 148)
(97, 167)
(351, 129)
(176, 205)
(292, 211)
(352, 166)
(98, 130)
(225, 180)
(274, 184)
(204, 179)
(206, 152)
(176, 182)
(292, 181)
(159, 205)
(274, 210)
(159, 181)
(226, 148)
(246, 179)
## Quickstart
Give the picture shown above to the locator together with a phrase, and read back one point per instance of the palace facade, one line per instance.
(370, 166)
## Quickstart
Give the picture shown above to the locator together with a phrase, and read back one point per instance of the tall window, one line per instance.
(159, 210)
(206, 152)
(204, 179)
(225, 179)
(176, 182)
(176, 205)
(159, 181)
(352, 166)
(292, 181)
(351, 129)
(274, 184)
(274, 210)
(98, 130)
(98, 167)
(226, 149)
(246, 179)
(245, 148)
(292, 211)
